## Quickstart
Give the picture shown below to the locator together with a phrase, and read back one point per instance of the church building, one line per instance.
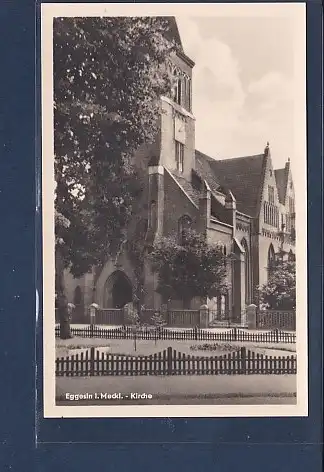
(243, 203)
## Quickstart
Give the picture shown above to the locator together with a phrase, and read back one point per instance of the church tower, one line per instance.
(177, 134)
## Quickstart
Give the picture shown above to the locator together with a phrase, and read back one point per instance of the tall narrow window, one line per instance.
(178, 94)
(271, 259)
(225, 255)
(187, 93)
(184, 225)
(179, 154)
(271, 194)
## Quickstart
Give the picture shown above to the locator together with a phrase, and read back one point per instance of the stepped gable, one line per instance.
(282, 181)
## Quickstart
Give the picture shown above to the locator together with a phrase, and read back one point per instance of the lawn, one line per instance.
(147, 347)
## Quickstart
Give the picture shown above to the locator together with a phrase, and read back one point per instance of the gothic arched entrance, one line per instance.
(78, 314)
(118, 290)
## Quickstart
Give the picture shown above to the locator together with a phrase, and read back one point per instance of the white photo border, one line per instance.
(297, 11)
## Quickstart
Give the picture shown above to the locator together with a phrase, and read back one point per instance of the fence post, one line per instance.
(234, 334)
(277, 335)
(124, 330)
(93, 313)
(122, 316)
(92, 360)
(203, 316)
(164, 313)
(169, 360)
(126, 313)
(243, 360)
(251, 316)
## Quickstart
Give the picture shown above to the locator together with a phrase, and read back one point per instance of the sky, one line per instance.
(243, 85)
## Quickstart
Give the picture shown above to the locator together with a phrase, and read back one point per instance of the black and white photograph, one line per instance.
(174, 199)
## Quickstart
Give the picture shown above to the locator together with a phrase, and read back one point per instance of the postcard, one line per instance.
(174, 203)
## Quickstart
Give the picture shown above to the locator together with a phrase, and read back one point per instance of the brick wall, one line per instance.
(176, 204)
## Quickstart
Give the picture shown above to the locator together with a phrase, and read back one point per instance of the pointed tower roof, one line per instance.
(173, 31)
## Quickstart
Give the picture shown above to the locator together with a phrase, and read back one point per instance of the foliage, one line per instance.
(279, 293)
(137, 249)
(135, 321)
(108, 75)
(159, 322)
(193, 269)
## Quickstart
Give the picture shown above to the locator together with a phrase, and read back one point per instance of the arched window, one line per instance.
(178, 91)
(225, 254)
(187, 93)
(271, 258)
(247, 271)
(184, 224)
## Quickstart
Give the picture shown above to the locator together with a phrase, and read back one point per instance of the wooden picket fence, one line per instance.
(195, 334)
(176, 318)
(271, 319)
(171, 362)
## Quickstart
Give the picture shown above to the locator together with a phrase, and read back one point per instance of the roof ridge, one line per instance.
(204, 154)
(239, 157)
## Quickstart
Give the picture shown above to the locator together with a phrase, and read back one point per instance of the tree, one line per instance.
(109, 74)
(61, 304)
(279, 293)
(193, 269)
(159, 322)
(135, 322)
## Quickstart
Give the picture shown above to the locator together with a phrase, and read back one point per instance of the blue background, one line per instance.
(30, 443)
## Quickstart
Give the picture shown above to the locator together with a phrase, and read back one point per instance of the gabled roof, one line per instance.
(242, 175)
(205, 172)
(282, 182)
(188, 188)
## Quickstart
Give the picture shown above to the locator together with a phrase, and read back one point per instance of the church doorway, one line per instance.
(78, 313)
(118, 290)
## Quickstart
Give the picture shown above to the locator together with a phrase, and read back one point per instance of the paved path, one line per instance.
(219, 329)
(179, 387)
